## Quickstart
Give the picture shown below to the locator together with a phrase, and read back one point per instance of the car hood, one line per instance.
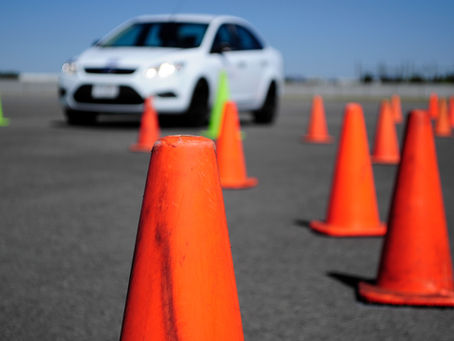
(128, 56)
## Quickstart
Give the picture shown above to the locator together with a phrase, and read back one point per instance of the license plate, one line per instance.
(104, 91)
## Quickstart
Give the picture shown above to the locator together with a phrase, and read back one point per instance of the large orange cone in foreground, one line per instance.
(232, 165)
(433, 106)
(415, 267)
(386, 147)
(396, 108)
(451, 111)
(149, 129)
(317, 131)
(182, 284)
(443, 125)
(352, 207)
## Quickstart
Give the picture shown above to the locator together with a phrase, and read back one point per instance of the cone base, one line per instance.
(4, 122)
(374, 294)
(238, 184)
(347, 231)
(389, 160)
(140, 148)
(317, 139)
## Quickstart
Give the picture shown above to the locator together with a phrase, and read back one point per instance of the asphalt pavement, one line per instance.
(69, 209)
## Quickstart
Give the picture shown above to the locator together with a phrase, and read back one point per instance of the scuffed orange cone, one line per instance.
(352, 209)
(182, 284)
(433, 106)
(415, 267)
(443, 125)
(386, 147)
(396, 108)
(317, 131)
(232, 165)
(149, 129)
(451, 111)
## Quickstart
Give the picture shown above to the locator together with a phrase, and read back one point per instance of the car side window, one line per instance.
(246, 39)
(225, 39)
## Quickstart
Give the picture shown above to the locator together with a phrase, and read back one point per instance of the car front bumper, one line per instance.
(171, 95)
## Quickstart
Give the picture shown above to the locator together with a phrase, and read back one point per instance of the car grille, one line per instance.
(109, 71)
(126, 95)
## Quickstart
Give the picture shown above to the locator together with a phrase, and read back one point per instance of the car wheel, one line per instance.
(76, 117)
(197, 113)
(267, 113)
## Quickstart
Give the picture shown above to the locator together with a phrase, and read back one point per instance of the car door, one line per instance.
(251, 61)
(226, 47)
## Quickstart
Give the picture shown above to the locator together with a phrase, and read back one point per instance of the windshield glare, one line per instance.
(158, 34)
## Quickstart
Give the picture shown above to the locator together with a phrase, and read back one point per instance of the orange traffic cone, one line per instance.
(443, 125)
(182, 284)
(232, 166)
(451, 111)
(433, 106)
(415, 267)
(386, 147)
(149, 129)
(396, 108)
(317, 131)
(352, 207)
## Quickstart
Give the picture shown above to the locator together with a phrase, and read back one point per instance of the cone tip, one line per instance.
(353, 105)
(385, 105)
(353, 108)
(184, 140)
(230, 104)
(419, 113)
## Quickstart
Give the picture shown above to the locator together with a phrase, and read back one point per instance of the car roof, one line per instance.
(202, 18)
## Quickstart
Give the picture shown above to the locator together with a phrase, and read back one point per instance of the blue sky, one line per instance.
(317, 38)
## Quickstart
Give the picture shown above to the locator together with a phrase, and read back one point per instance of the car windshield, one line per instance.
(158, 34)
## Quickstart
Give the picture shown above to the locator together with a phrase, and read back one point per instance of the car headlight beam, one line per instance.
(163, 70)
(151, 72)
(166, 70)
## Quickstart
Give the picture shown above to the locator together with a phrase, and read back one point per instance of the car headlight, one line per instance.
(69, 68)
(164, 70)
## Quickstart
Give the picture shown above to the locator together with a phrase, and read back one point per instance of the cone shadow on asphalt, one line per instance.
(350, 281)
(302, 223)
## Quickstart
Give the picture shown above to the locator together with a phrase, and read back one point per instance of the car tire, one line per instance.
(197, 113)
(76, 117)
(267, 113)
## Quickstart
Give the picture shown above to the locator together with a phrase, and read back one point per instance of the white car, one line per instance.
(176, 59)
